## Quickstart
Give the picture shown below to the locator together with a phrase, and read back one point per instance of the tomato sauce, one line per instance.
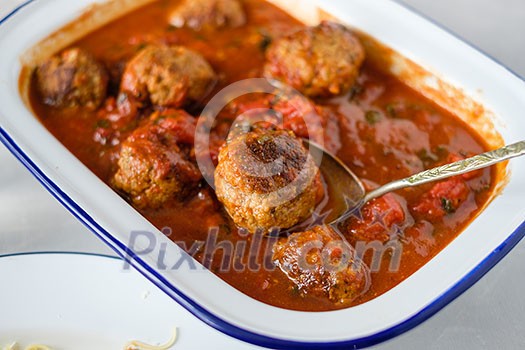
(382, 130)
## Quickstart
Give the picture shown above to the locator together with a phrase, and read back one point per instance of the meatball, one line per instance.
(319, 61)
(322, 264)
(72, 78)
(168, 76)
(199, 14)
(266, 179)
(156, 161)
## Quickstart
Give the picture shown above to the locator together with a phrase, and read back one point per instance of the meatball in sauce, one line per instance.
(169, 76)
(322, 263)
(156, 161)
(199, 14)
(72, 78)
(321, 61)
(266, 179)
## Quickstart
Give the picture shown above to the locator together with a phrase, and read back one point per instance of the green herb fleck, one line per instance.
(354, 91)
(442, 151)
(427, 156)
(266, 38)
(140, 46)
(295, 291)
(103, 123)
(372, 117)
(225, 228)
(265, 42)
(129, 126)
(199, 36)
(447, 206)
(391, 110)
(160, 119)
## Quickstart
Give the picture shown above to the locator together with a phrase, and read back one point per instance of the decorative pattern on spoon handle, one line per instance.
(469, 164)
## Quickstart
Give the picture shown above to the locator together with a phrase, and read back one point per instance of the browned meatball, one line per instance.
(197, 14)
(168, 76)
(322, 264)
(319, 61)
(72, 78)
(156, 161)
(266, 179)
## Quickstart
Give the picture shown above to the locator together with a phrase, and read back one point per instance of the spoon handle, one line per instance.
(453, 169)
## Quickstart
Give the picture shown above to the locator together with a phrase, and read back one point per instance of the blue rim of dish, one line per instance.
(212, 320)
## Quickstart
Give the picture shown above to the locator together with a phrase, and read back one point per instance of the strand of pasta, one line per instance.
(137, 345)
(132, 345)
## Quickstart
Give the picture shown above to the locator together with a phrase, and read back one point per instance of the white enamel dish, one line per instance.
(488, 239)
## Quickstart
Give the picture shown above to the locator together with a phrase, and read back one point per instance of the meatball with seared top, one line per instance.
(321, 263)
(321, 61)
(156, 161)
(168, 76)
(199, 14)
(266, 179)
(72, 78)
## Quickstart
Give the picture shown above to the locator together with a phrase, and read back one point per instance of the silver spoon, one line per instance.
(348, 193)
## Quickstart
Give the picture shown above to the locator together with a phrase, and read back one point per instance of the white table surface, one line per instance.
(491, 315)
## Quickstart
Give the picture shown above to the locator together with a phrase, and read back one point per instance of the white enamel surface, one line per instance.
(397, 27)
(56, 300)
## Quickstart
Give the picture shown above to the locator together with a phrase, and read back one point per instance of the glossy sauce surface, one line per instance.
(383, 131)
